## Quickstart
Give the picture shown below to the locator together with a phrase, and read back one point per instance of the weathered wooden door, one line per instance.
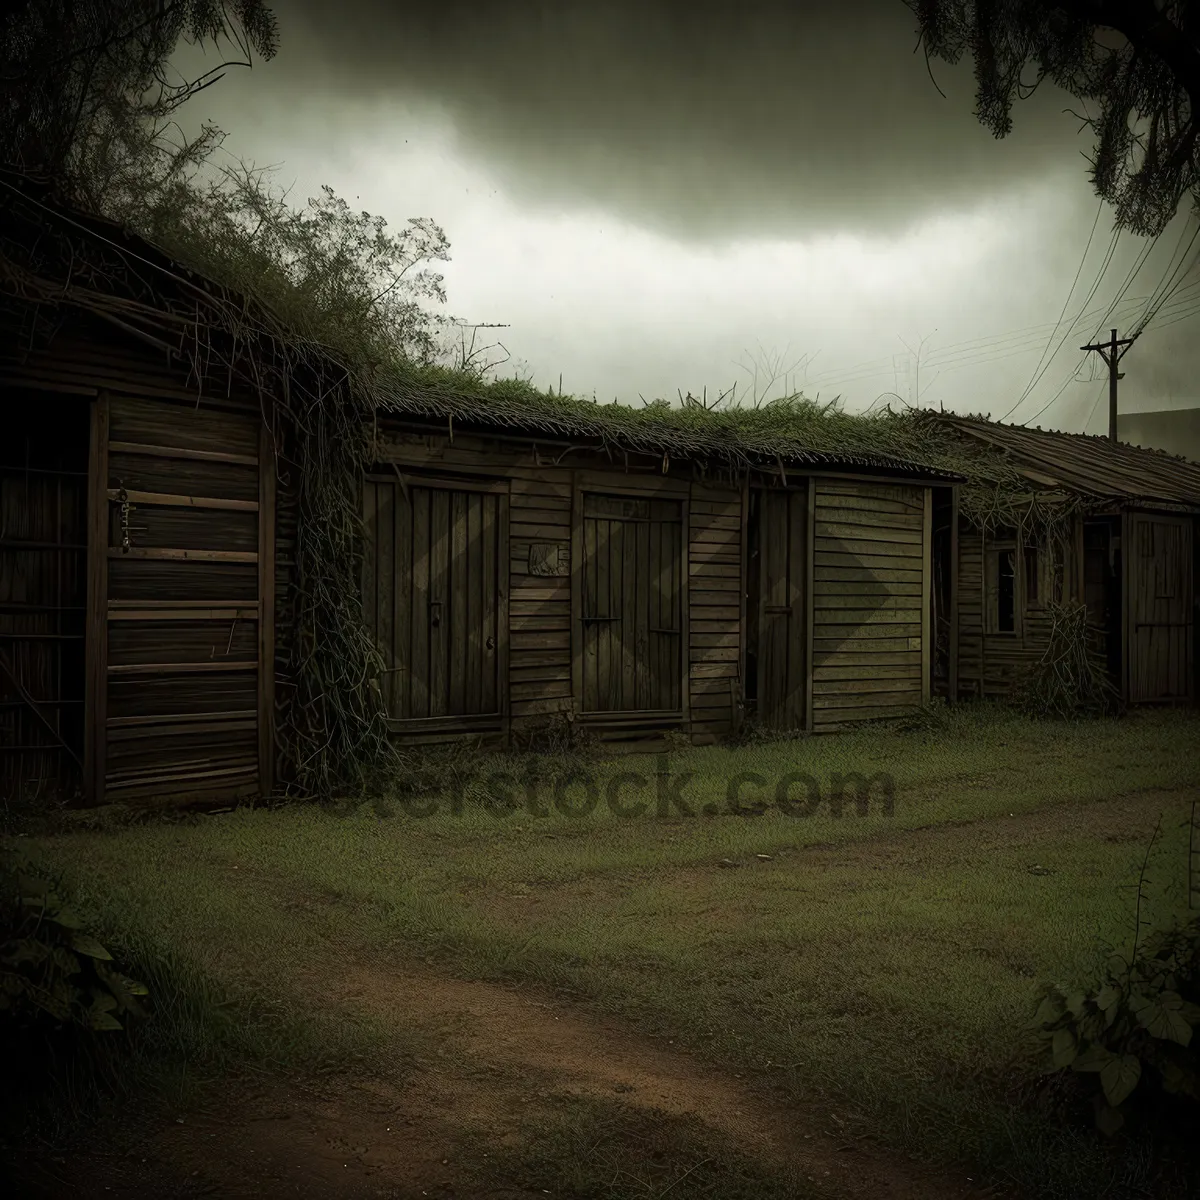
(435, 595)
(631, 605)
(180, 599)
(782, 635)
(1158, 570)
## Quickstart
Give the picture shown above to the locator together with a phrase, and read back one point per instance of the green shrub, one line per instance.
(51, 969)
(1133, 1036)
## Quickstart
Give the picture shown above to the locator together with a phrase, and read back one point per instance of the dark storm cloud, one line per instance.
(700, 119)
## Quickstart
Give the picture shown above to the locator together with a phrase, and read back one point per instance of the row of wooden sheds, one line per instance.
(523, 565)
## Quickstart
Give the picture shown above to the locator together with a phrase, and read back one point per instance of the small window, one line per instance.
(1033, 564)
(1168, 560)
(1002, 590)
(1006, 606)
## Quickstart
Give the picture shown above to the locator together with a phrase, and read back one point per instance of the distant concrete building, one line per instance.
(1177, 431)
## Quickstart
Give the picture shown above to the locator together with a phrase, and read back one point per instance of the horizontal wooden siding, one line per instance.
(870, 589)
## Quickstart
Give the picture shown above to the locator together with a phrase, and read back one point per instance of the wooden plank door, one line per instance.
(631, 610)
(782, 629)
(1158, 570)
(435, 597)
(180, 578)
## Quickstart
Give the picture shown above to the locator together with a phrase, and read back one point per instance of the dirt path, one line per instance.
(501, 1056)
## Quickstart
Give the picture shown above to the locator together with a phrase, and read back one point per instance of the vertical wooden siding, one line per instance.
(715, 594)
(870, 591)
(782, 565)
(1158, 568)
(631, 615)
(434, 598)
(991, 663)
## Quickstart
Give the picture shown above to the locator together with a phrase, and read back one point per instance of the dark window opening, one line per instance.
(1006, 593)
(1032, 563)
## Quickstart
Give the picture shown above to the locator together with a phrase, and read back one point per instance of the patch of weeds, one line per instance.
(752, 732)
(555, 736)
(934, 717)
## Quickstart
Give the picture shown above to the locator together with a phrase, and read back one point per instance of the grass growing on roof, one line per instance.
(339, 328)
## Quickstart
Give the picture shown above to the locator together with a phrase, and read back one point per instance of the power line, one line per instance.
(1170, 284)
(1070, 293)
(1092, 411)
(1109, 352)
(1131, 274)
(1026, 338)
(1072, 378)
(1165, 300)
(1038, 374)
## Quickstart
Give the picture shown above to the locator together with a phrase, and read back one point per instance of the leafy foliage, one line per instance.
(1145, 81)
(1134, 1033)
(84, 95)
(51, 968)
(336, 278)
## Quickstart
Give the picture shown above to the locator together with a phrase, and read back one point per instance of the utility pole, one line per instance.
(914, 369)
(1108, 352)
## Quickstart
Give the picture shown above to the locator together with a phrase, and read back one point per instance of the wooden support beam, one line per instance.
(952, 686)
(149, 451)
(927, 598)
(810, 555)
(172, 555)
(266, 601)
(166, 500)
(96, 628)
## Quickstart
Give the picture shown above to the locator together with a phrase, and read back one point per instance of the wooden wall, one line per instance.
(545, 538)
(870, 601)
(43, 593)
(287, 515)
(970, 614)
(716, 612)
(180, 564)
(869, 617)
(989, 662)
(1159, 610)
(539, 599)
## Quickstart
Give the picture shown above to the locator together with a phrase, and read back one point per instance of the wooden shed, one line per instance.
(152, 628)
(189, 611)
(530, 565)
(1110, 525)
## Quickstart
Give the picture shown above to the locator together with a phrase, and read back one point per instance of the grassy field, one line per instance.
(883, 960)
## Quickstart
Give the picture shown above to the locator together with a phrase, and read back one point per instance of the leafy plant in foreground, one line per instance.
(51, 969)
(1135, 1033)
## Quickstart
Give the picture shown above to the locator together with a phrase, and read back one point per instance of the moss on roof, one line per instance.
(793, 430)
(790, 430)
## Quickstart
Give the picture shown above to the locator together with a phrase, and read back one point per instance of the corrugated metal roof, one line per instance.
(1088, 464)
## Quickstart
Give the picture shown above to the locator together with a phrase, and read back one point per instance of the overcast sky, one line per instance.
(657, 196)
